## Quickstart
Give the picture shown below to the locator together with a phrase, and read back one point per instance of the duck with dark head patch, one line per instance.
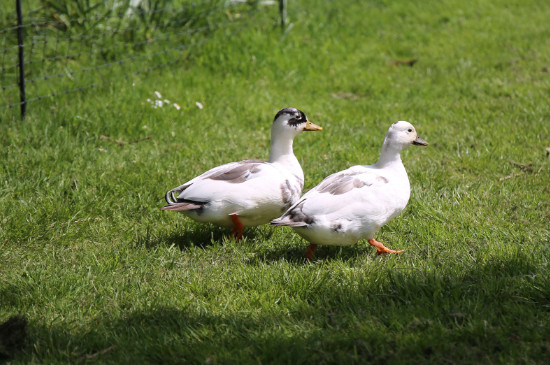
(249, 192)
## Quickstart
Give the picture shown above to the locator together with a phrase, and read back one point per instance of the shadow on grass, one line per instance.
(488, 312)
(192, 235)
(292, 249)
(295, 251)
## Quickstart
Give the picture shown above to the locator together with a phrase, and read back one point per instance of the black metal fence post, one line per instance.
(21, 58)
(282, 12)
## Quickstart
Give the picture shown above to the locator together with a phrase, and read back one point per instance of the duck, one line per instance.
(355, 203)
(249, 192)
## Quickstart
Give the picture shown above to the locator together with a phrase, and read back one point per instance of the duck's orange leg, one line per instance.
(381, 248)
(238, 227)
(311, 251)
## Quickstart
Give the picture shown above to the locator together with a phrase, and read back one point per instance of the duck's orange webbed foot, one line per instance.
(311, 251)
(380, 248)
(238, 227)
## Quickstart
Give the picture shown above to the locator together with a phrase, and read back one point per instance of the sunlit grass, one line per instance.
(102, 274)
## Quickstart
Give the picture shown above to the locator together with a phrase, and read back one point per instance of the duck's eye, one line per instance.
(409, 130)
(298, 117)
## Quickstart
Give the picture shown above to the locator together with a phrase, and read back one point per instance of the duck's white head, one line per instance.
(401, 135)
(291, 122)
(288, 123)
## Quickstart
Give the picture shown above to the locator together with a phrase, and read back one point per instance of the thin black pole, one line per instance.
(21, 59)
(282, 12)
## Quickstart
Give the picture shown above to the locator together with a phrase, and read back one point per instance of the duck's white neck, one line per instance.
(282, 154)
(281, 148)
(390, 155)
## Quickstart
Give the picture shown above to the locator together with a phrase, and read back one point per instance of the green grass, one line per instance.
(103, 275)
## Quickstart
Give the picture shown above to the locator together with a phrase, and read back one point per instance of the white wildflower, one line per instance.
(199, 105)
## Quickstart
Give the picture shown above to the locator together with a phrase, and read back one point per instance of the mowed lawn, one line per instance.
(102, 275)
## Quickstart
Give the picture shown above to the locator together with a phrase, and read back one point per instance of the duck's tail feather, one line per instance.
(294, 217)
(286, 221)
(169, 196)
(180, 204)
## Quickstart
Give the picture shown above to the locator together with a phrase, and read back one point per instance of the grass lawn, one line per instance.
(103, 275)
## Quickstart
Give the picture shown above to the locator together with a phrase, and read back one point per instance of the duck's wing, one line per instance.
(203, 188)
(235, 172)
(336, 192)
(346, 181)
